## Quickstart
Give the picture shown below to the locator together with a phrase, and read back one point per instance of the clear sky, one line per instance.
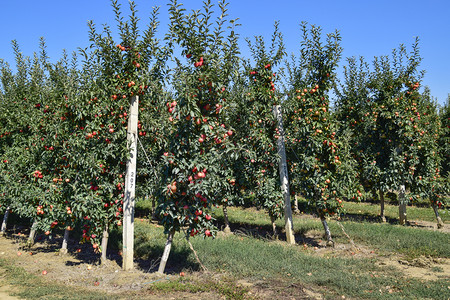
(368, 28)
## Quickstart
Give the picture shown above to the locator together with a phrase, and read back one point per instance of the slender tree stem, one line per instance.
(382, 214)
(5, 221)
(63, 250)
(274, 227)
(104, 246)
(165, 257)
(330, 242)
(32, 233)
(440, 224)
(296, 210)
(225, 218)
(402, 205)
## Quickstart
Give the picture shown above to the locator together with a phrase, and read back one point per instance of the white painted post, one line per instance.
(130, 185)
(289, 226)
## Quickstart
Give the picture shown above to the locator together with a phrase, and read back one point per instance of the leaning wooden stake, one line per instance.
(349, 238)
(5, 221)
(130, 185)
(289, 226)
(195, 254)
(402, 205)
(165, 257)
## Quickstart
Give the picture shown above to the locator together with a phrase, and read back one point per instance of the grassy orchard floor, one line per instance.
(387, 262)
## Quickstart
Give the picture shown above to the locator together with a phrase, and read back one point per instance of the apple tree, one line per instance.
(258, 167)
(193, 175)
(321, 166)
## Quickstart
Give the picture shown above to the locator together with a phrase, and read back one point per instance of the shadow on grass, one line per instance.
(354, 217)
(81, 253)
(177, 262)
(265, 232)
(364, 217)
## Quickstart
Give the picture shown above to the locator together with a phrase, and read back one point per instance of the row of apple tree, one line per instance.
(207, 133)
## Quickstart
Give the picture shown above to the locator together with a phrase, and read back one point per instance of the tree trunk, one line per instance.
(274, 227)
(165, 257)
(32, 233)
(330, 242)
(440, 224)
(383, 217)
(154, 216)
(296, 210)
(105, 243)
(63, 250)
(402, 205)
(5, 221)
(225, 218)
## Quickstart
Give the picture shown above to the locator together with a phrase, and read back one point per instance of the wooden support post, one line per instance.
(130, 186)
(402, 205)
(289, 226)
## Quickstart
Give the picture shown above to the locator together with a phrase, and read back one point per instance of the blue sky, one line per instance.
(367, 28)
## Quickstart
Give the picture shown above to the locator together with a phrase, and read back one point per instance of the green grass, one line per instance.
(412, 242)
(29, 286)
(372, 211)
(253, 257)
(143, 207)
(226, 287)
(259, 259)
(332, 275)
(409, 241)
